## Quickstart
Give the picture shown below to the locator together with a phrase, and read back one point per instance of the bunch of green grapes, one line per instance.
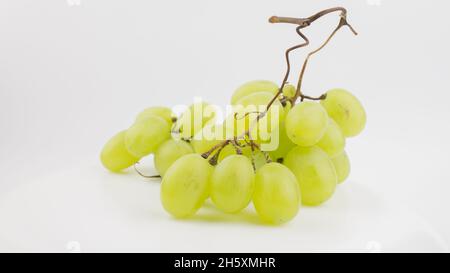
(268, 152)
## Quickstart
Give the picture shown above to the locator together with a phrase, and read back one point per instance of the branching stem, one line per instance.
(301, 24)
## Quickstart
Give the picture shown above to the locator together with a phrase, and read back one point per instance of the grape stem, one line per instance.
(301, 24)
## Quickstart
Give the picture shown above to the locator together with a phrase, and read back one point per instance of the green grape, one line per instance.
(258, 102)
(226, 152)
(277, 196)
(185, 185)
(230, 150)
(346, 110)
(206, 139)
(145, 135)
(169, 152)
(235, 126)
(253, 87)
(315, 173)
(195, 118)
(333, 141)
(287, 108)
(204, 145)
(284, 143)
(289, 91)
(342, 165)
(260, 159)
(306, 123)
(232, 184)
(114, 156)
(162, 112)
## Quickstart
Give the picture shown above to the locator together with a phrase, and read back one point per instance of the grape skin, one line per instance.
(145, 136)
(333, 141)
(315, 174)
(306, 123)
(160, 111)
(257, 102)
(230, 150)
(284, 145)
(185, 185)
(342, 165)
(277, 196)
(168, 153)
(195, 118)
(346, 110)
(232, 184)
(114, 156)
(202, 142)
(253, 87)
(289, 91)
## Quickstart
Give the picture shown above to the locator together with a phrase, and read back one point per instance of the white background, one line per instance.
(72, 73)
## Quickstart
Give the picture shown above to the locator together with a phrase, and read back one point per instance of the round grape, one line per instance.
(185, 185)
(289, 91)
(258, 102)
(315, 174)
(232, 184)
(346, 110)
(114, 156)
(333, 141)
(306, 123)
(195, 118)
(145, 135)
(342, 165)
(162, 112)
(253, 87)
(169, 152)
(277, 195)
(284, 143)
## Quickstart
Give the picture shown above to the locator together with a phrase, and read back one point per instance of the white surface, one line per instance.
(73, 75)
(89, 210)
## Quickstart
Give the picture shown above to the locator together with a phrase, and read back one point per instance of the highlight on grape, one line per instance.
(274, 146)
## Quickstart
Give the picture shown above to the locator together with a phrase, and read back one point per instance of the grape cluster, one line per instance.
(303, 169)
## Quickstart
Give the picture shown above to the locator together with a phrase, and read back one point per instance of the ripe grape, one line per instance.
(206, 139)
(185, 185)
(253, 87)
(114, 156)
(259, 159)
(257, 102)
(346, 110)
(203, 145)
(342, 165)
(333, 141)
(287, 108)
(230, 150)
(235, 126)
(284, 143)
(162, 112)
(145, 135)
(195, 118)
(277, 196)
(315, 174)
(169, 152)
(289, 91)
(306, 123)
(232, 184)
